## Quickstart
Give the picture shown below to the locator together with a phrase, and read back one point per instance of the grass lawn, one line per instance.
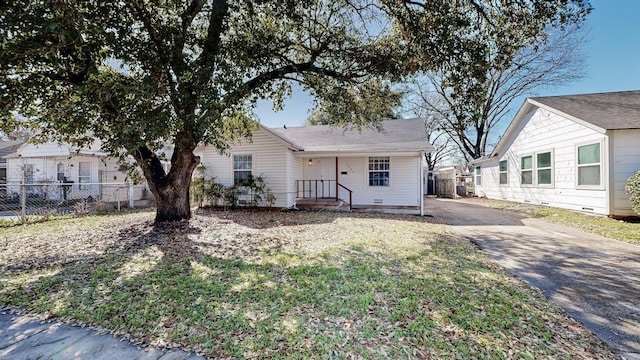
(596, 224)
(285, 285)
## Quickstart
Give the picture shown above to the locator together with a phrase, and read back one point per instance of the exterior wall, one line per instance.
(544, 131)
(270, 159)
(625, 161)
(403, 190)
(45, 170)
(294, 172)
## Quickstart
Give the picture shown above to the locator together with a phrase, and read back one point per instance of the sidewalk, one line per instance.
(25, 337)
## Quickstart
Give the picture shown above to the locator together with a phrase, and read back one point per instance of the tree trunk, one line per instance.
(171, 190)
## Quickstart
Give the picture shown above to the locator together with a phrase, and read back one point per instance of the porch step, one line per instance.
(321, 203)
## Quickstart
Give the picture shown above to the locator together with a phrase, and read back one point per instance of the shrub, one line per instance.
(633, 189)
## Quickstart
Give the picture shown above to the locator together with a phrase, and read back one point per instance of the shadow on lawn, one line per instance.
(159, 286)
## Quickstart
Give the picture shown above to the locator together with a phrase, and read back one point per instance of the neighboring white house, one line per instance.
(85, 173)
(6, 148)
(574, 152)
(374, 169)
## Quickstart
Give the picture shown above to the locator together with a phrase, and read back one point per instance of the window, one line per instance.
(379, 171)
(242, 166)
(503, 167)
(84, 174)
(60, 171)
(544, 168)
(478, 175)
(526, 170)
(589, 173)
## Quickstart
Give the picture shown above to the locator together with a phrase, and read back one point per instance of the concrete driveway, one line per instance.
(596, 280)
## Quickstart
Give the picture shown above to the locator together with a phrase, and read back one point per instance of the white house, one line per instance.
(57, 171)
(574, 152)
(6, 148)
(301, 164)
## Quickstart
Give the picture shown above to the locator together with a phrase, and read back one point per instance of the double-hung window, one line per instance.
(589, 165)
(526, 170)
(503, 172)
(544, 169)
(242, 167)
(478, 175)
(379, 171)
(84, 174)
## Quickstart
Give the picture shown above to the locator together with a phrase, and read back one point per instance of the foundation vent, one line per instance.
(377, 201)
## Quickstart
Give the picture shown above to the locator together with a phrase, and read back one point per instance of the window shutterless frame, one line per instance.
(526, 171)
(590, 166)
(503, 172)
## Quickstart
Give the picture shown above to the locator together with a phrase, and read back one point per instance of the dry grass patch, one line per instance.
(265, 284)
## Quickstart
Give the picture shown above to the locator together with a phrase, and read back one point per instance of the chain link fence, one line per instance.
(21, 202)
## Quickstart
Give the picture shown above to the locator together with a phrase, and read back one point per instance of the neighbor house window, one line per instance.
(84, 174)
(60, 171)
(503, 171)
(544, 168)
(478, 175)
(379, 171)
(589, 165)
(526, 170)
(242, 167)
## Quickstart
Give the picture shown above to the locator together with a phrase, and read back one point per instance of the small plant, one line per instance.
(231, 196)
(632, 188)
(82, 207)
(213, 191)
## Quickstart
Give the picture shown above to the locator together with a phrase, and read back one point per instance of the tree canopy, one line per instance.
(496, 51)
(138, 75)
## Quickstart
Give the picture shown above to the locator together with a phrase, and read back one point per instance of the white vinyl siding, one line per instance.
(589, 166)
(503, 169)
(626, 161)
(539, 132)
(270, 160)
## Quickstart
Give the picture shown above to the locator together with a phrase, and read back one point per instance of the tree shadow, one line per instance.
(597, 284)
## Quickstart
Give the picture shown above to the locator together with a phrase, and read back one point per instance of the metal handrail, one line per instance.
(310, 189)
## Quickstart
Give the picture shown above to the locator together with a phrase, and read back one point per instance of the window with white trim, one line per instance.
(544, 168)
(60, 171)
(84, 174)
(589, 165)
(526, 170)
(379, 171)
(242, 167)
(478, 175)
(503, 172)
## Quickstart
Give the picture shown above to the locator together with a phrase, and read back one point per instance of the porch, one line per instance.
(323, 194)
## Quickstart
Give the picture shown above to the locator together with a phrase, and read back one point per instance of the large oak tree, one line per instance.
(138, 75)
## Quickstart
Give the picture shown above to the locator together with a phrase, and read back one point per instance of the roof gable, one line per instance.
(600, 112)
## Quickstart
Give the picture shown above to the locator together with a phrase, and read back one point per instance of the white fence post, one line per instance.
(23, 202)
(130, 196)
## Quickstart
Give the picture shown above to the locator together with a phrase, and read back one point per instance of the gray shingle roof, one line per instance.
(611, 111)
(8, 147)
(396, 135)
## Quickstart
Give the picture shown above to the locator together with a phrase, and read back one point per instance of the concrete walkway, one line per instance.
(596, 280)
(23, 337)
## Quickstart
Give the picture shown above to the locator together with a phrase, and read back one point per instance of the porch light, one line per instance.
(310, 163)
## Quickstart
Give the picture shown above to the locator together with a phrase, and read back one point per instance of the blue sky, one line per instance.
(612, 51)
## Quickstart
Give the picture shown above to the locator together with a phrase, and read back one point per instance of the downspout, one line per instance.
(421, 177)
